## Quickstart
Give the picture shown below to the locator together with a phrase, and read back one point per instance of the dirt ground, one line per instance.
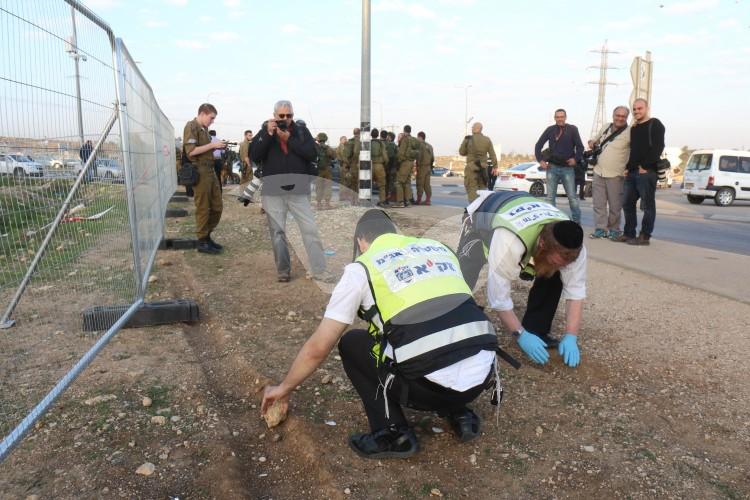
(658, 408)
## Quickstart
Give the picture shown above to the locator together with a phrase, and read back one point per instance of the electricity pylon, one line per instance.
(600, 117)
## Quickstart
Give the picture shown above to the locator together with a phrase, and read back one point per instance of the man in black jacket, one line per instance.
(646, 147)
(286, 150)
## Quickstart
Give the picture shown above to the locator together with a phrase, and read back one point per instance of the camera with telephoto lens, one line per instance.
(592, 156)
(281, 124)
(229, 143)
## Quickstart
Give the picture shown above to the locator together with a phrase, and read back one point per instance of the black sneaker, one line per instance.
(386, 443)
(465, 424)
(205, 247)
(215, 245)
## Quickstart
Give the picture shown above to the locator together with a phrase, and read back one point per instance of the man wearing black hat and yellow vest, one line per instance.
(520, 236)
(429, 346)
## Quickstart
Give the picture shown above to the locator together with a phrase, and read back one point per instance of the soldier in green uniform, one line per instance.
(353, 147)
(476, 147)
(408, 151)
(424, 170)
(199, 148)
(379, 158)
(343, 169)
(326, 155)
(390, 168)
(246, 166)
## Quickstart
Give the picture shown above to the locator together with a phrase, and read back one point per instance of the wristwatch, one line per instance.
(517, 334)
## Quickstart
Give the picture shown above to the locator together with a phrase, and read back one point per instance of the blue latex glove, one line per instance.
(534, 347)
(568, 349)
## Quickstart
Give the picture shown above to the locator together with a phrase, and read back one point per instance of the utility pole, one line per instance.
(73, 51)
(365, 173)
(600, 116)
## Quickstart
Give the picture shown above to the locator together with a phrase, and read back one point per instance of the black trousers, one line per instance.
(544, 295)
(359, 365)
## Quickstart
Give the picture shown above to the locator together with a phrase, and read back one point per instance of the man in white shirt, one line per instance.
(520, 236)
(429, 346)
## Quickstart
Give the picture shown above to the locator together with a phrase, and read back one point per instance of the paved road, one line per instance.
(706, 225)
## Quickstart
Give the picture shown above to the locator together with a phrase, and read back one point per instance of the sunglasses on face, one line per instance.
(288, 115)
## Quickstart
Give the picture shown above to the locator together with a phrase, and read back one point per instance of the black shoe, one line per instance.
(205, 247)
(215, 245)
(465, 424)
(386, 443)
(551, 342)
(283, 278)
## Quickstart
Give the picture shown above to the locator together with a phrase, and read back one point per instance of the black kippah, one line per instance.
(569, 234)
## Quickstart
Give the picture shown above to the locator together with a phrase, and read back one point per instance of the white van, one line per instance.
(721, 174)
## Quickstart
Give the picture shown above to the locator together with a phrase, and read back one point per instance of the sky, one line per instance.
(516, 62)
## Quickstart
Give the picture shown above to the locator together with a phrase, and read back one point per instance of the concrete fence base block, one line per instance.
(149, 314)
(178, 244)
(178, 198)
(176, 212)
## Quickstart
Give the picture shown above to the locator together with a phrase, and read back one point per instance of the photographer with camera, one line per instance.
(608, 155)
(477, 148)
(286, 150)
(565, 152)
(199, 149)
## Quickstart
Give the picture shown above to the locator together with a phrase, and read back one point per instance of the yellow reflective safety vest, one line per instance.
(423, 307)
(520, 213)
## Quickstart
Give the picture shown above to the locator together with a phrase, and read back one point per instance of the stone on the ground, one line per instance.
(275, 414)
(159, 420)
(146, 402)
(99, 399)
(146, 469)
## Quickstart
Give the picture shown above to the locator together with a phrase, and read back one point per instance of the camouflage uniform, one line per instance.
(326, 155)
(245, 166)
(424, 170)
(379, 157)
(476, 147)
(208, 205)
(408, 150)
(353, 160)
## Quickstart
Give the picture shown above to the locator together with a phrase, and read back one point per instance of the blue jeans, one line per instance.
(568, 176)
(641, 186)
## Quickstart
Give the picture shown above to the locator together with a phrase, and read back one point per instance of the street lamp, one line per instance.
(72, 50)
(467, 118)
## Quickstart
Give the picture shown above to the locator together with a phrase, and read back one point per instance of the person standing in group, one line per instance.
(218, 157)
(351, 150)
(424, 169)
(477, 148)
(199, 147)
(408, 152)
(326, 155)
(565, 152)
(392, 167)
(84, 153)
(379, 157)
(613, 142)
(245, 164)
(646, 147)
(344, 193)
(286, 149)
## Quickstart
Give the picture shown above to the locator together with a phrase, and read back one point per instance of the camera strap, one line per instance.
(611, 137)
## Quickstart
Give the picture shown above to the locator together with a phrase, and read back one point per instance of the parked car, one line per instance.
(525, 177)
(20, 166)
(439, 171)
(721, 174)
(109, 169)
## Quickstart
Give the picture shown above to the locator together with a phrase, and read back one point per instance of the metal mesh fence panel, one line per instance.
(81, 216)
(150, 154)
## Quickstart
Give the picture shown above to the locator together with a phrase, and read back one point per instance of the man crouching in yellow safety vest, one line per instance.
(428, 345)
